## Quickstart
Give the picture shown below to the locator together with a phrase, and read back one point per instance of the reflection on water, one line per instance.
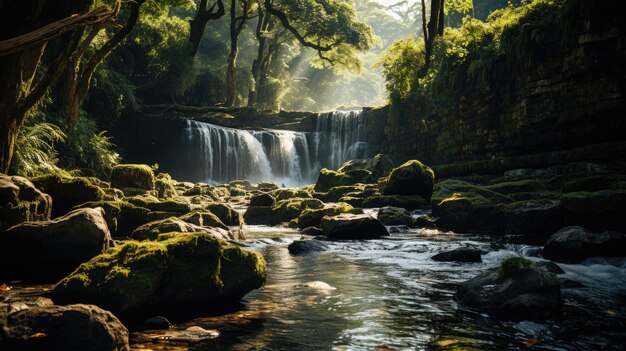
(388, 295)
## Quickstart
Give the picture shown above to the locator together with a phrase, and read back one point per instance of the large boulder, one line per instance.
(574, 244)
(49, 250)
(204, 219)
(533, 218)
(380, 165)
(225, 213)
(165, 186)
(152, 230)
(462, 254)
(262, 199)
(411, 178)
(409, 202)
(303, 247)
(176, 271)
(133, 176)
(313, 217)
(68, 328)
(260, 215)
(517, 289)
(395, 216)
(353, 227)
(328, 179)
(21, 201)
(68, 192)
(289, 209)
(597, 210)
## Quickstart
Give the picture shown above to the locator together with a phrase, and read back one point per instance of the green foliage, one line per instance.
(467, 54)
(35, 152)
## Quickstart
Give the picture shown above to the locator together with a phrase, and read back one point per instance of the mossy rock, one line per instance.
(206, 190)
(379, 166)
(152, 230)
(284, 194)
(204, 219)
(165, 186)
(194, 270)
(262, 199)
(225, 213)
(536, 219)
(337, 192)
(593, 183)
(154, 204)
(313, 217)
(133, 176)
(287, 210)
(598, 210)
(520, 186)
(395, 216)
(468, 211)
(449, 187)
(328, 179)
(20, 201)
(266, 186)
(260, 215)
(68, 192)
(411, 178)
(410, 202)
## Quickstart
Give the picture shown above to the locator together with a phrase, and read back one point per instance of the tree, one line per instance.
(76, 81)
(237, 22)
(26, 28)
(198, 23)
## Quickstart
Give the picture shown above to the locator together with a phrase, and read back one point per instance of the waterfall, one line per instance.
(218, 154)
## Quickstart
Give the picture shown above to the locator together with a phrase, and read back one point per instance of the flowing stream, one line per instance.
(389, 295)
(285, 157)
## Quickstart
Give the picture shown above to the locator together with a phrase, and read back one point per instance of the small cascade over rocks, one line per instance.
(220, 154)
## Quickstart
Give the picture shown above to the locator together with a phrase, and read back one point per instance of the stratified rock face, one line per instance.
(353, 227)
(518, 289)
(395, 216)
(177, 270)
(20, 201)
(48, 250)
(411, 178)
(133, 176)
(463, 254)
(574, 244)
(68, 328)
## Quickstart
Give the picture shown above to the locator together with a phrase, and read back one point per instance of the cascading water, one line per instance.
(285, 157)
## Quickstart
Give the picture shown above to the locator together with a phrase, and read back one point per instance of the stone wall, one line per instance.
(564, 95)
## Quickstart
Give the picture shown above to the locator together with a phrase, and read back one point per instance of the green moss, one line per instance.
(449, 187)
(225, 213)
(379, 166)
(68, 192)
(513, 266)
(526, 185)
(287, 210)
(133, 176)
(410, 202)
(328, 179)
(175, 269)
(312, 217)
(411, 178)
(154, 204)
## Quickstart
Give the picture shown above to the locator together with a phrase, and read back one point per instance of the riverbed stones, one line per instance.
(380, 165)
(225, 213)
(67, 192)
(262, 199)
(353, 227)
(328, 179)
(194, 270)
(133, 176)
(574, 244)
(204, 219)
(303, 247)
(517, 289)
(152, 230)
(48, 250)
(69, 328)
(462, 254)
(409, 202)
(21, 201)
(312, 217)
(395, 216)
(411, 178)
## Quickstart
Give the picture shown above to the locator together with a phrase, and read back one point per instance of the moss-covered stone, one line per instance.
(411, 178)
(520, 186)
(287, 210)
(337, 192)
(133, 176)
(204, 219)
(593, 183)
(177, 270)
(410, 202)
(313, 217)
(67, 191)
(225, 213)
(261, 215)
(379, 166)
(284, 194)
(328, 179)
(395, 216)
(165, 186)
(152, 230)
(599, 210)
(262, 199)
(154, 204)
(536, 219)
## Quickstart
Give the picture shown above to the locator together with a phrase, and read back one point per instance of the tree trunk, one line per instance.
(198, 23)
(231, 79)
(435, 28)
(256, 64)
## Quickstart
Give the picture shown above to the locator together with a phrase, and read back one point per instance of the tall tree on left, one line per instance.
(26, 28)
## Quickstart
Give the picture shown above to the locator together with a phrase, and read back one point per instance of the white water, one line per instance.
(288, 158)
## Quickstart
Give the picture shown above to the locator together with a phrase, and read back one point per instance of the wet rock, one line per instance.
(517, 289)
(328, 179)
(395, 216)
(284, 194)
(21, 201)
(411, 178)
(399, 229)
(599, 210)
(409, 202)
(157, 322)
(267, 186)
(191, 335)
(260, 215)
(313, 217)
(353, 227)
(463, 254)
(68, 192)
(133, 176)
(536, 218)
(314, 231)
(48, 250)
(574, 244)
(550, 267)
(287, 210)
(319, 286)
(165, 186)
(302, 247)
(152, 230)
(194, 270)
(73, 327)
(262, 199)
(225, 213)
(425, 222)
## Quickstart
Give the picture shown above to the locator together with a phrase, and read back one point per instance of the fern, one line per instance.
(35, 153)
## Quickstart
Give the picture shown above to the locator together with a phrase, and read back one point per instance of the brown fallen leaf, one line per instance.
(38, 335)
(5, 287)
